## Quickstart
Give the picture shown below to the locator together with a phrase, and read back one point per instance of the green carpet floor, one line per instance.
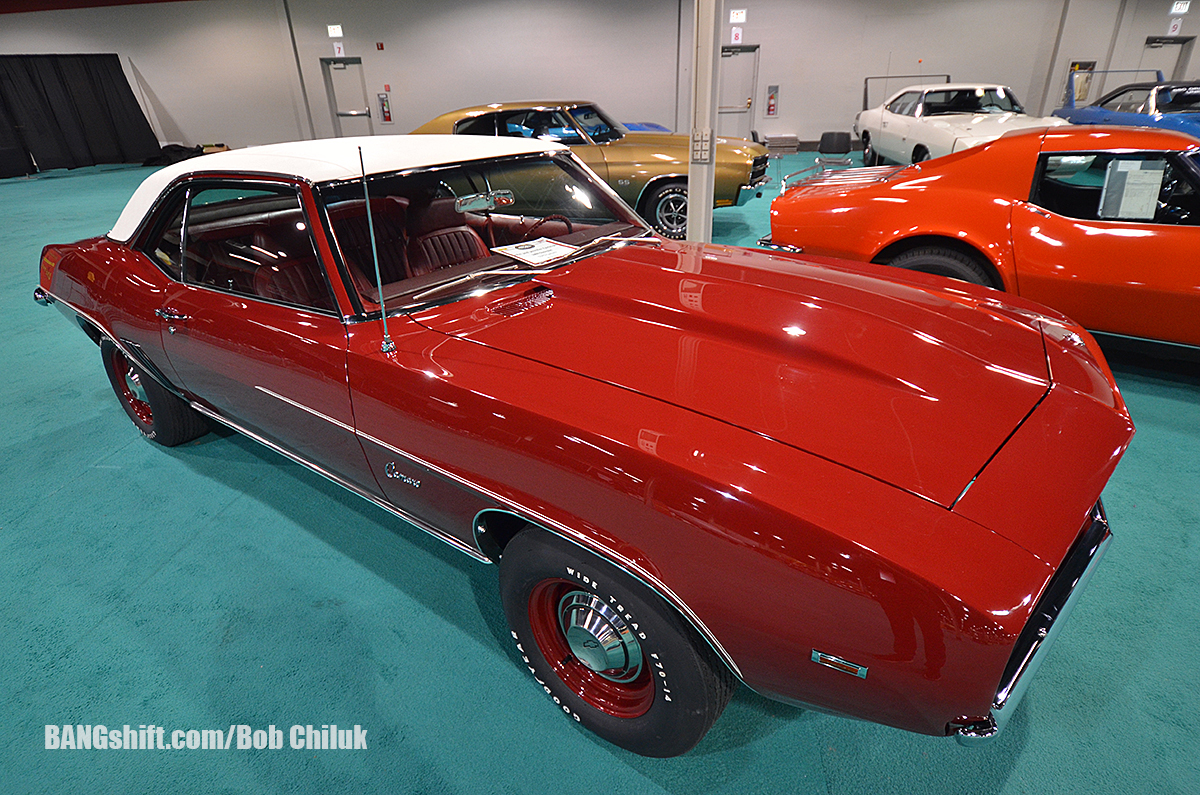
(217, 583)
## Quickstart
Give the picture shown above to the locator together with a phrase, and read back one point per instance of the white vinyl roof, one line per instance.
(325, 160)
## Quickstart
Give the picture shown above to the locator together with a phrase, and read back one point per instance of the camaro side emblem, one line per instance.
(390, 470)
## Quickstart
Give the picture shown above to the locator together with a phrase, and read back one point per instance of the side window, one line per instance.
(480, 125)
(549, 125)
(1145, 187)
(253, 242)
(1132, 101)
(905, 104)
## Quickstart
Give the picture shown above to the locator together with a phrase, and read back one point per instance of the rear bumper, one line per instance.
(1049, 616)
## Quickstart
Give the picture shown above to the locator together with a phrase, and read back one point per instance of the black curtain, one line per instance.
(67, 111)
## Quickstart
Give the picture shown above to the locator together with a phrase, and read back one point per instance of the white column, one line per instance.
(706, 61)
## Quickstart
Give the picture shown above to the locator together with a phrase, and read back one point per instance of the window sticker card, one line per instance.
(1131, 189)
(536, 252)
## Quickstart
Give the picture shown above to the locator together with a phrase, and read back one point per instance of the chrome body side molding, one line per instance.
(387, 506)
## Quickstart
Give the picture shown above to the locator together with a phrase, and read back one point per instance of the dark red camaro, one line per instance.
(846, 486)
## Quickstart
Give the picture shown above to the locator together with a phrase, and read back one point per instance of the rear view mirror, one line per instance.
(482, 202)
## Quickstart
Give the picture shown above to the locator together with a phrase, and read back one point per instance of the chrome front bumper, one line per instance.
(1043, 627)
(751, 191)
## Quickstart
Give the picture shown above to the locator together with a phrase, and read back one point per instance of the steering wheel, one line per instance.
(539, 222)
(1172, 206)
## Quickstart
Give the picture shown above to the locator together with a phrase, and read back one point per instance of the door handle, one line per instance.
(749, 101)
(171, 316)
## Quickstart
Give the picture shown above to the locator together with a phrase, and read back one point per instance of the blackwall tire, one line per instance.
(158, 414)
(944, 262)
(649, 683)
(666, 210)
(920, 155)
(870, 156)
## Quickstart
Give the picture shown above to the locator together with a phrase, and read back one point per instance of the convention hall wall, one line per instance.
(225, 70)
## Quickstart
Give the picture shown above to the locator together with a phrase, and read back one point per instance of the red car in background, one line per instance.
(694, 465)
(1101, 223)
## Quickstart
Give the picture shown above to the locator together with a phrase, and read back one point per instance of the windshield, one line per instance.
(599, 127)
(443, 224)
(992, 99)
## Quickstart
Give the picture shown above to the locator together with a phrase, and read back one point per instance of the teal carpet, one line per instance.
(217, 584)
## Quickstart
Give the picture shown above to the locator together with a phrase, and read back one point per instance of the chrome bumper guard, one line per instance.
(751, 191)
(765, 242)
(41, 297)
(1049, 616)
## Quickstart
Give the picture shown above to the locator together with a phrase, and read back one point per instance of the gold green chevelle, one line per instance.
(648, 170)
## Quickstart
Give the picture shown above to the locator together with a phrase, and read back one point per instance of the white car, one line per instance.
(920, 122)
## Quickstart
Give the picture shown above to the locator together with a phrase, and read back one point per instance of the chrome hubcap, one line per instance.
(599, 638)
(133, 382)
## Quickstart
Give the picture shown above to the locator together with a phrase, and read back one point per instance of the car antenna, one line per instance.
(387, 346)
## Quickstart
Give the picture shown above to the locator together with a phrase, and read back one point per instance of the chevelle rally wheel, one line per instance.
(667, 210)
(609, 652)
(944, 262)
(159, 415)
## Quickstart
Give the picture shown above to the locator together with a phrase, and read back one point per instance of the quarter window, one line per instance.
(253, 242)
(164, 247)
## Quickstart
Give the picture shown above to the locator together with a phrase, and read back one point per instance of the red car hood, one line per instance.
(915, 386)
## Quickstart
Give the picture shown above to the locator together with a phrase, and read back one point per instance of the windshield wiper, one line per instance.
(646, 236)
(503, 270)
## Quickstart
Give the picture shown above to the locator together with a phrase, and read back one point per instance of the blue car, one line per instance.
(1172, 106)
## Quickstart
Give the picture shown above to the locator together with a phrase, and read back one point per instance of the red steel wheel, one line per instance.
(609, 651)
(591, 649)
(130, 390)
(158, 414)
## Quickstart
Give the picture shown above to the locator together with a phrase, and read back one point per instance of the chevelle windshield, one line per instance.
(445, 230)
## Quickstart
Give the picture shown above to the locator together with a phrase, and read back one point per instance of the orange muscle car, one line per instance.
(1101, 223)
